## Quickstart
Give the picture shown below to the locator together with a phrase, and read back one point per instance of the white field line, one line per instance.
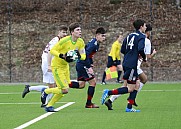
(9, 93)
(161, 90)
(42, 116)
(25, 103)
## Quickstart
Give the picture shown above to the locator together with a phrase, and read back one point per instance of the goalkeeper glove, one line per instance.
(66, 58)
(78, 54)
(62, 56)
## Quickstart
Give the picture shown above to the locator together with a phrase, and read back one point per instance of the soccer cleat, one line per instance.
(92, 105)
(43, 105)
(135, 104)
(104, 96)
(50, 109)
(132, 110)
(119, 81)
(103, 83)
(109, 105)
(43, 96)
(26, 90)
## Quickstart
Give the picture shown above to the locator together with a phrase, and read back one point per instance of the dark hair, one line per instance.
(63, 27)
(138, 23)
(148, 27)
(100, 30)
(72, 26)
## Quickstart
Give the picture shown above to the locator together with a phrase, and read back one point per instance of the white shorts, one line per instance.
(47, 76)
(44, 63)
(139, 70)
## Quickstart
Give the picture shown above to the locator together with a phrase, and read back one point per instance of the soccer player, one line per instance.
(149, 55)
(60, 64)
(84, 68)
(141, 74)
(132, 47)
(114, 59)
(46, 65)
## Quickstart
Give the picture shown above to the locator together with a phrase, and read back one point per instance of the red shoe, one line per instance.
(92, 105)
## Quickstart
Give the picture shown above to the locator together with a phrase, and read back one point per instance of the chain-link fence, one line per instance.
(27, 26)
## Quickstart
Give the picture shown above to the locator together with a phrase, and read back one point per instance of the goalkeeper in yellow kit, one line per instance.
(60, 64)
(114, 59)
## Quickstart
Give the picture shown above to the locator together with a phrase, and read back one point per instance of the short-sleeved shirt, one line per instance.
(147, 50)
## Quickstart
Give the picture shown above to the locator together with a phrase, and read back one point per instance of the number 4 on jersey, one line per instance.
(131, 44)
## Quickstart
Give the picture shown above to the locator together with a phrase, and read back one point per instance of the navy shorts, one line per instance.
(111, 62)
(130, 74)
(82, 73)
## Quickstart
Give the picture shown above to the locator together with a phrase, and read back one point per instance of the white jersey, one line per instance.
(147, 46)
(51, 44)
(147, 51)
(47, 76)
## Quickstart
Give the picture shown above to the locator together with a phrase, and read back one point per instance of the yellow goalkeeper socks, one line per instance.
(54, 99)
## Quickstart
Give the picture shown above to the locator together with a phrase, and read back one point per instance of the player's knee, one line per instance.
(93, 83)
(51, 85)
(130, 89)
(81, 85)
(64, 91)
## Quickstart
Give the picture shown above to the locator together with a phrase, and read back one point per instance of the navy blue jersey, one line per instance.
(91, 48)
(132, 46)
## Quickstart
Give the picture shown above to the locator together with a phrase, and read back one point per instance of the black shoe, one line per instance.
(119, 81)
(43, 105)
(135, 104)
(26, 90)
(103, 83)
(109, 105)
(50, 109)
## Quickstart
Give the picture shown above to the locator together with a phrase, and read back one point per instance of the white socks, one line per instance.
(114, 97)
(37, 88)
(141, 86)
(48, 98)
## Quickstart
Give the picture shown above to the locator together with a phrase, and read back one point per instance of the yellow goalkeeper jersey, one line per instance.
(63, 46)
(115, 51)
